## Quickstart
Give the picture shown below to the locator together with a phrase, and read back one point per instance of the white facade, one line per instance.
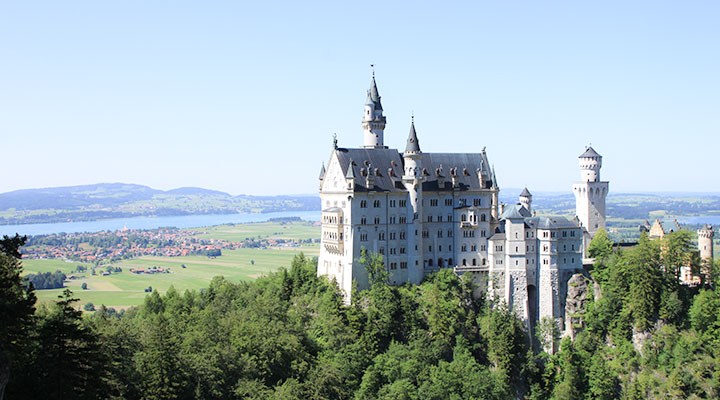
(425, 211)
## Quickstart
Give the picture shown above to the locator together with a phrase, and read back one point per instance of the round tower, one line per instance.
(705, 242)
(590, 193)
(412, 179)
(373, 121)
(526, 199)
(590, 163)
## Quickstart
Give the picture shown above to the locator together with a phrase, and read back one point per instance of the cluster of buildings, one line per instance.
(424, 211)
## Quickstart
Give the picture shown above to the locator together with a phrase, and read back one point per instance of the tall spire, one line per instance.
(413, 145)
(373, 121)
(494, 179)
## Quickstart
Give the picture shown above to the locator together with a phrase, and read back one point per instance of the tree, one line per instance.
(70, 364)
(84, 286)
(17, 306)
(600, 246)
(89, 307)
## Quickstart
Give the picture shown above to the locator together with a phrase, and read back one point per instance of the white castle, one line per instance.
(426, 211)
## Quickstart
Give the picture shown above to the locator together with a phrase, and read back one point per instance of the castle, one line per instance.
(425, 211)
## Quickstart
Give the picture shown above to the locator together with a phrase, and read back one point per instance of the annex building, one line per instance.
(424, 211)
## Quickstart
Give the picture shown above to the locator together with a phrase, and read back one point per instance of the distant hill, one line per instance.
(116, 200)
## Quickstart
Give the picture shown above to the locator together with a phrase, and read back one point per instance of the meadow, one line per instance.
(126, 289)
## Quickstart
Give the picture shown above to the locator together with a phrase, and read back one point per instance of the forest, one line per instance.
(289, 335)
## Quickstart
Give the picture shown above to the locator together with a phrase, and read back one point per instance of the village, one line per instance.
(112, 246)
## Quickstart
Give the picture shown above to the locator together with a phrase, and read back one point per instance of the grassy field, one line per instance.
(127, 289)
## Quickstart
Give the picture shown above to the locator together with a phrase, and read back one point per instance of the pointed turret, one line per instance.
(526, 199)
(413, 145)
(322, 171)
(373, 121)
(350, 171)
(494, 179)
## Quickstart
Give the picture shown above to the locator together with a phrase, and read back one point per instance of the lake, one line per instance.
(182, 221)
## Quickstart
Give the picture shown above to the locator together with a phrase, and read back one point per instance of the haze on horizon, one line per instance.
(245, 98)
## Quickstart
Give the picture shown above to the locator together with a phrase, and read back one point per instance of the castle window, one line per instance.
(392, 235)
(439, 234)
(463, 218)
(377, 220)
(440, 247)
(552, 234)
(564, 233)
(402, 250)
(430, 248)
(402, 235)
(430, 262)
(403, 264)
(363, 203)
(477, 202)
(439, 218)
(403, 220)
(392, 203)
(463, 247)
(482, 247)
(516, 249)
(573, 260)
(449, 247)
(516, 262)
(450, 233)
(448, 202)
(484, 261)
(564, 247)
(573, 247)
(449, 218)
(429, 218)
(376, 203)
(482, 218)
(403, 203)
(440, 262)
(464, 262)
(474, 261)
(473, 247)
(393, 265)
(363, 221)
(393, 251)
(381, 236)
(382, 251)
(363, 237)
(433, 202)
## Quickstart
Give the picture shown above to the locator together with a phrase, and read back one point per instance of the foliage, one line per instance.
(47, 280)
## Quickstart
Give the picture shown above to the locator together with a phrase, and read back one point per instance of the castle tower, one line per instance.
(590, 192)
(412, 179)
(705, 245)
(526, 199)
(373, 121)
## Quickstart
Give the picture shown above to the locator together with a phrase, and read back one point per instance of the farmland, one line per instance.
(124, 288)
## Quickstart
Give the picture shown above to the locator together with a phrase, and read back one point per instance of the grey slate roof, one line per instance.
(380, 162)
(589, 152)
(525, 193)
(322, 171)
(515, 211)
(374, 95)
(550, 222)
(413, 145)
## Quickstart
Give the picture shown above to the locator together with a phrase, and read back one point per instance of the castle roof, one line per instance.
(525, 193)
(374, 95)
(413, 145)
(387, 164)
(550, 223)
(515, 211)
(589, 153)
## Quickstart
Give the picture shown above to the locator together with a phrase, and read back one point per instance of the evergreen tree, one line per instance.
(17, 306)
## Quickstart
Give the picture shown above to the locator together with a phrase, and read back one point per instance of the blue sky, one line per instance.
(244, 97)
